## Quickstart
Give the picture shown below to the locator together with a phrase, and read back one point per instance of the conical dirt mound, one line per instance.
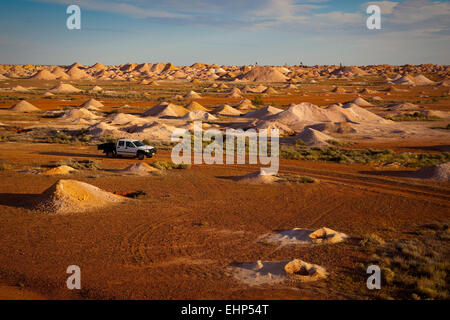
(44, 75)
(226, 110)
(71, 196)
(361, 102)
(264, 74)
(258, 178)
(263, 112)
(58, 170)
(195, 106)
(192, 95)
(165, 109)
(422, 80)
(141, 169)
(439, 173)
(65, 88)
(314, 138)
(92, 103)
(199, 115)
(24, 106)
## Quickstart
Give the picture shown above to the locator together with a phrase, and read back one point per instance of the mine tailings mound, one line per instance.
(264, 74)
(72, 196)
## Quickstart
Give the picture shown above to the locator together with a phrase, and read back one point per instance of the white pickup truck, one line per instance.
(127, 148)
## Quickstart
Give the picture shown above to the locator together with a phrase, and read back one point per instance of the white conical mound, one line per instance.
(72, 196)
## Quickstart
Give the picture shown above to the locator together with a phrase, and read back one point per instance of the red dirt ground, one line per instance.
(179, 241)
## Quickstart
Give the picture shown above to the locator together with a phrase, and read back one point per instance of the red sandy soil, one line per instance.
(178, 242)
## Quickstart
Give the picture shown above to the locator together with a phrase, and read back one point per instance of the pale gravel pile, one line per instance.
(438, 173)
(72, 196)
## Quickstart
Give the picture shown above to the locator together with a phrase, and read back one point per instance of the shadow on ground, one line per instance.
(19, 200)
(440, 148)
(69, 154)
(389, 173)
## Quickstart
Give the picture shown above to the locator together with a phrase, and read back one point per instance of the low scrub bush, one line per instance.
(416, 116)
(5, 166)
(80, 164)
(257, 101)
(168, 165)
(364, 156)
(415, 268)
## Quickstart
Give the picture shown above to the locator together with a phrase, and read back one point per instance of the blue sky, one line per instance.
(225, 32)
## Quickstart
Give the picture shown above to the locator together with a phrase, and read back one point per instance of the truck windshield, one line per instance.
(138, 143)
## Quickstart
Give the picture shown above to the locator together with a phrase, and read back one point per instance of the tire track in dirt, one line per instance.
(326, 212)
(362, 182)
(136, 241)
(131, 244)
(386, 189)
(441, 192)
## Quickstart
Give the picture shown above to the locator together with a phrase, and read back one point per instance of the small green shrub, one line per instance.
(268, 243)
(5, 166)
(388, 275)
(416, 116)
(372, 240)
(364, 156)
(107, 139)
(415, 268)
(257, 101)
(297, 179)
(168, 165)
(80, 164)
(77, 137)
(86, 138)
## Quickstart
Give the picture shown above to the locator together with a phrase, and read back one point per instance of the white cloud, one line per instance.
(423, 16)
(119, 8)
(339, 18)
(414, 11)
(386, 6)
(415, 18)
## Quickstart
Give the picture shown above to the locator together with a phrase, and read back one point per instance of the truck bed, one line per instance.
(110, 146)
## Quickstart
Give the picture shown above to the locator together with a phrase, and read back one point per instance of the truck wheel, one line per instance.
(109, 154)
(141, 156)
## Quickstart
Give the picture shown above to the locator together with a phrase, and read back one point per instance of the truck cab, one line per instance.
(134, 148)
